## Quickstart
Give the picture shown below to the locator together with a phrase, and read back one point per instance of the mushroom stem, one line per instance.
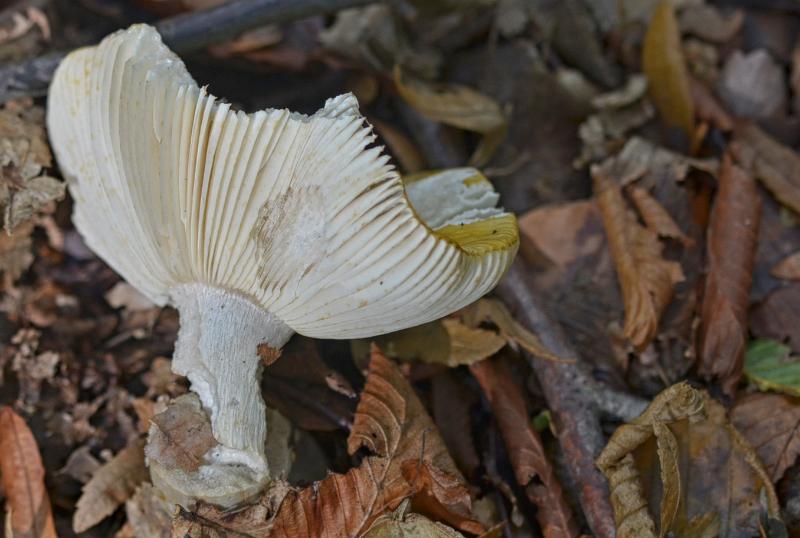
(217, 350)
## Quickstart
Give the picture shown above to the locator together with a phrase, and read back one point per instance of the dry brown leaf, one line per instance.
(112, 484)
(708, 108)
(646, 278)
(28, 512)
(776, 316)
(468, 345)
(24, 152)
(775, 165)
(665, 68)
(495, 312)
(732, 241)
(655, 215)
(771, 423)
(678, 402)
(409, 461)
(402, 525)
(788, 268)
(403, 149)
(180, 435)
(711, 24)
(15, 251)
(525, 449)
(684, 445)
(458, 106)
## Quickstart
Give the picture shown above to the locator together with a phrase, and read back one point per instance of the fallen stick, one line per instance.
(183, 33)
(570, 401)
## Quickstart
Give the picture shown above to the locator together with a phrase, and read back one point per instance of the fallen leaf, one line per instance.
(458, 106)
(469, 345)
(776, 316)
(112, 484)
(654, 215)
(409, 461)
(708, 108)
(788, 268)
(732, 240)
(675, 403)
(180, 435)
(123, 295)
(454, 421)
(149, 514)
(81, 465)
(402, 525)
(665, 68)
(495, 312)
(775, 165)
(24, 153)
(771, 423)
(683, 453)
(15, 251)
(28, 512)
(709, 23)
(770, 366)
(525, 449)
(406, 153)
(646, 278)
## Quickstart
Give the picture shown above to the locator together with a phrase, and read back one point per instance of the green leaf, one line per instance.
(770, 365)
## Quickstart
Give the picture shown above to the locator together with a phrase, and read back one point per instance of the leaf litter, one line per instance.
(658, 277)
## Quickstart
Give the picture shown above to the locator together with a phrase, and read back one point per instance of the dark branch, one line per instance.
(184, 33)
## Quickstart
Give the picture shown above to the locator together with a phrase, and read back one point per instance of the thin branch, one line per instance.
(184, 33)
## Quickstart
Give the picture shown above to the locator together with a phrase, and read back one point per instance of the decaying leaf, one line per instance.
(654, 215)
(678, 402)
(24, 152)
(402, 525)
(775, 165)
(409, 461)
(732, 239)
(776, 316)
(112, 484)
(15, 251)
(771, 366)
(457, 106)
(665, 68)
(646, 278)
(28, 512)
(684, 454)
(708, 108)
(525, 449)
(788, 268)
(771, 423)
(495, 312)
(181, 434)
(710, 24)
(469, 345)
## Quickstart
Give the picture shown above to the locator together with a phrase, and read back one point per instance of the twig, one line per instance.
(573, 408)
(184, 33)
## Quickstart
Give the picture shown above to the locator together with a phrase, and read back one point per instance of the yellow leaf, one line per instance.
(665, 68)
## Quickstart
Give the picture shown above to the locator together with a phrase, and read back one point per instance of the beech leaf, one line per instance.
(732, 240)
(770, 365)
(646, 278)
(525, 449)
(409, 461)
(665, 68)
(112, 484)
(28, 512)
(770, 422)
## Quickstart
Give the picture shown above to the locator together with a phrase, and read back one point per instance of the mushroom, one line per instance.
(256, 226)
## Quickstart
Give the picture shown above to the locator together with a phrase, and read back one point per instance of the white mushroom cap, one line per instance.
(296, 213)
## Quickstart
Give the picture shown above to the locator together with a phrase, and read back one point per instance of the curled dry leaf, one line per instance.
(458, 106)
(180, 435)
(468, 345)
(732, 241)
(708, 108)
(646, 278)
(775, 165)
(683, 450)
(525, 449)
(495, 312)
(409, 461)
(710, 24)
(665, 68)
(771, 424)
(678, 402)
(402, 525)
(112, 484)
(654, 215)
(148, 513)
(28, 512)
(788, 268)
